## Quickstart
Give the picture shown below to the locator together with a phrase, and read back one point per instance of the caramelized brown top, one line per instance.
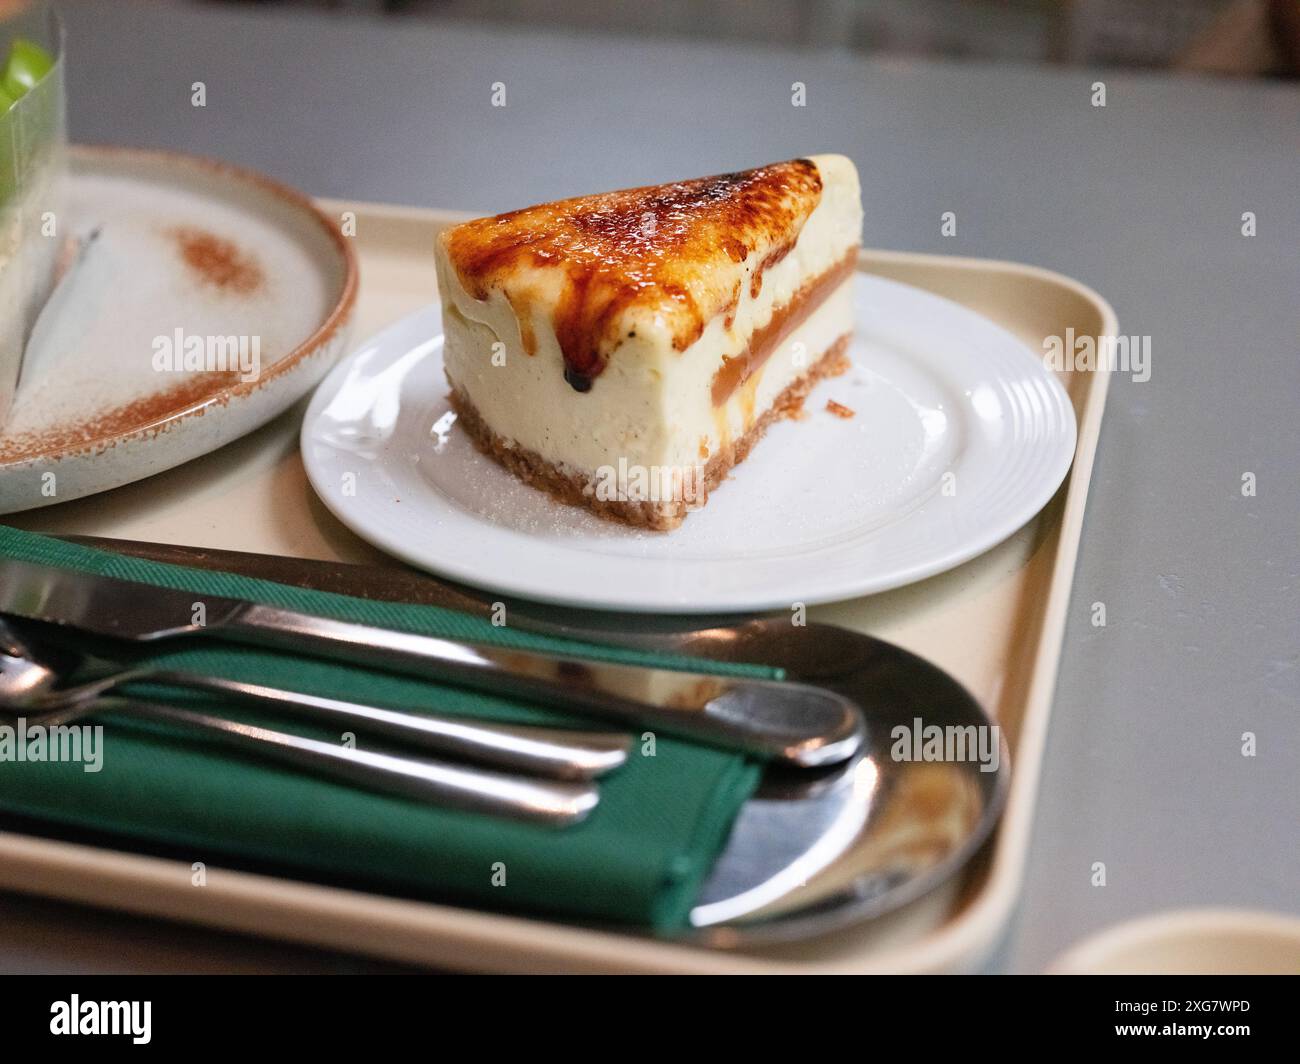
(668, 254)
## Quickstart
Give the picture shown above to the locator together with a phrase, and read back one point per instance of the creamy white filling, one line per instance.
(670, 425)
(652, 405)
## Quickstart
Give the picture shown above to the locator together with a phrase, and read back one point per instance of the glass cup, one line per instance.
(33, 160)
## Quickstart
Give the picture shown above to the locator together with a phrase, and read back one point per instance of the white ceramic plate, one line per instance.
(960, 436)
(190, 251)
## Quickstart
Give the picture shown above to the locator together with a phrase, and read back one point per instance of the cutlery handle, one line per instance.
(548, 802)
(796, 723)
(555, 753)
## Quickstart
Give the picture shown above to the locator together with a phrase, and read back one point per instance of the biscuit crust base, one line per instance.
(576, 489)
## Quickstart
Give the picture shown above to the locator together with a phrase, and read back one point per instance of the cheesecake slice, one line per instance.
(623, 351)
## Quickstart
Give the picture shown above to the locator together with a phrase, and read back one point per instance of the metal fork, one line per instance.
(551, 752)
(28, 692)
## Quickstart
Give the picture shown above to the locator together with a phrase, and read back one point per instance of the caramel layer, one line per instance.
(737, 369)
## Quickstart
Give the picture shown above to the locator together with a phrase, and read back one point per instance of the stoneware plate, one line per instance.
(1190, 942)
(958, 436)
(211, 299)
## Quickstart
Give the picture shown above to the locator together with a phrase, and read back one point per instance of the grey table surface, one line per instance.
(1142, 199)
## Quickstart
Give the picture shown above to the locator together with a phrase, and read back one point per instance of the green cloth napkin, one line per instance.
(638, 859)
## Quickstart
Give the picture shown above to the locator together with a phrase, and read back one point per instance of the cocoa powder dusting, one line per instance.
(218, 262)
(99, 432)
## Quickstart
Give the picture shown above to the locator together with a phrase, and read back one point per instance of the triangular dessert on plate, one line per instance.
(624, 350)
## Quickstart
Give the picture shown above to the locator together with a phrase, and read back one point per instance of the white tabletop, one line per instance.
(1142, 199)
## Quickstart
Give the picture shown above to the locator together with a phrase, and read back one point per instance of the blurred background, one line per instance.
(1243, 38)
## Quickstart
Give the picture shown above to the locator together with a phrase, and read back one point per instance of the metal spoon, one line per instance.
(555, 753)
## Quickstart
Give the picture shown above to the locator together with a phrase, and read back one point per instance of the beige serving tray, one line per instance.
(995, 623)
